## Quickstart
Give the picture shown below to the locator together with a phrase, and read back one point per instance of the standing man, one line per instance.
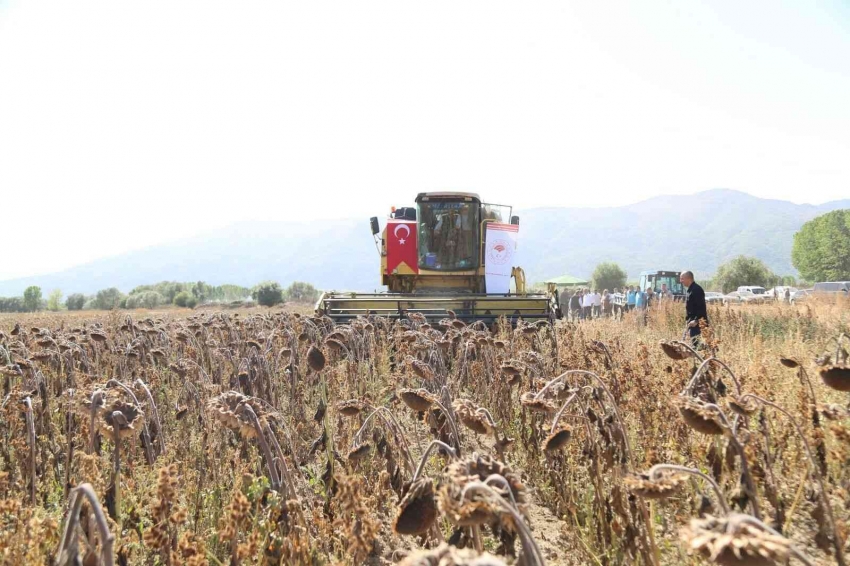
(630, 298)
(695, 310)
(575, 306)
(587, 305)
(597, 303)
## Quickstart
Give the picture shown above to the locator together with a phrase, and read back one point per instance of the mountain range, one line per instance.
(697, 232)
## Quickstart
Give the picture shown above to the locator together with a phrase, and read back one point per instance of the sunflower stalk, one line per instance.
(67, 553)
(836, 536)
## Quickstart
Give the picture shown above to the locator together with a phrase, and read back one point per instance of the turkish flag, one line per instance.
(401, 246)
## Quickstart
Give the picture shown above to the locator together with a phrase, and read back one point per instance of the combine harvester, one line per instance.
(449, 257)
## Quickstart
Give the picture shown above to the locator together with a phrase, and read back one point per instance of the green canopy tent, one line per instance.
(566, 281)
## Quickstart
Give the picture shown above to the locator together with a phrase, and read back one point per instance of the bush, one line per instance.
(742, 271)
(268, 294)
(185, 299)
(609, 276)
(75, 302)
(300, 292)
(108, 299)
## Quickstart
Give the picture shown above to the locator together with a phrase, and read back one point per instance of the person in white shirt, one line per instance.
(597, 303)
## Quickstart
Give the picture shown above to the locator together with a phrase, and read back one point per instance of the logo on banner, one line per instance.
(500, 253)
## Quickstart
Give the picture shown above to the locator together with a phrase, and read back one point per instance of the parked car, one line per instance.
(713, 297)
(800, 295)
(741, 297)
(779, 292)
(754, 289)
(832, 288)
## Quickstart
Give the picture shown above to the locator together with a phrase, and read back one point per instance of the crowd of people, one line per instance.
(589, 303)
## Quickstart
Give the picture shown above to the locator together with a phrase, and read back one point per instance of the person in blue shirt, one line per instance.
(630, 298)
(640, 300)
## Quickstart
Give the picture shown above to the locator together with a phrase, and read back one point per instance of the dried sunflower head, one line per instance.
(675, 350)
(475, 509)
(120, 415)
(539, 405)
(417, 399)
(789, 362)
(420, 368)
(335, 345)
(700, 416)
(558, 438)
(511, 368)
(731, 541)
(417, 510)
(351, 407)
(315, 359)
(227, 409)
(660, 486)
(836, 376)
(474, 417)
(359, 452)
(744, 406)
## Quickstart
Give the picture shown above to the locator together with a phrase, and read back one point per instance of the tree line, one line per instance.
(181, 294)
(821, 252)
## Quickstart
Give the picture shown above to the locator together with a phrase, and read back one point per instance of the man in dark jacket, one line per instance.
(695, 309)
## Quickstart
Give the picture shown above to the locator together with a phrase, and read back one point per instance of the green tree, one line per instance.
(268, 293)
(32, 298)
(108, 299)
(75, 301)
(301, 292)
(54, 300)
(744, 270)
(185, 299)
(821, 249)
(201, 291)
(609, 276)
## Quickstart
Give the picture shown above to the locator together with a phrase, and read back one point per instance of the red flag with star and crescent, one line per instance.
(401, 247)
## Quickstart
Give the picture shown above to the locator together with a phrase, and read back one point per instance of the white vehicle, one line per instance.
(713, 297)
(800, 296)
(754, 289)
(779, 292)
(742, 297)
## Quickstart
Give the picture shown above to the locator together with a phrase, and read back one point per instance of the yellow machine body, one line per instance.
(450, 271)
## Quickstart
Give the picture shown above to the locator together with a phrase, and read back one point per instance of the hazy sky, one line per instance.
(124, 124)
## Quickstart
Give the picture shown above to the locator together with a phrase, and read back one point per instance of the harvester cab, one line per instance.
(658, 281)
(450, 255)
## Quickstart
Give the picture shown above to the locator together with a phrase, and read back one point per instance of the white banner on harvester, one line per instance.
(499, 253)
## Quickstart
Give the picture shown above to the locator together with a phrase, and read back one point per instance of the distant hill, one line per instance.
(697, 232)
